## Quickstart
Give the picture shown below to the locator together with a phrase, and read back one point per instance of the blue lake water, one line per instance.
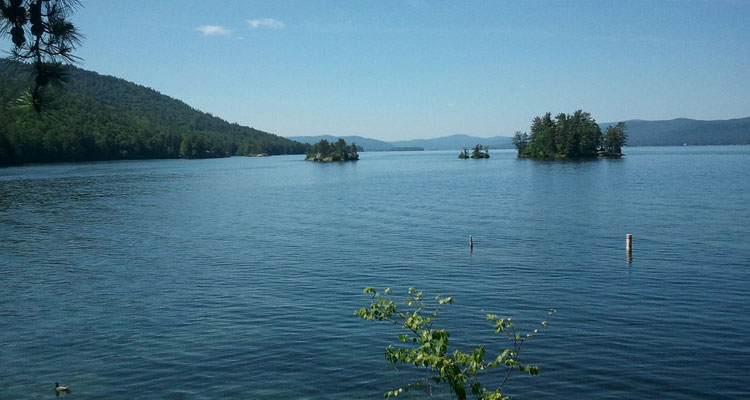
(238, 278)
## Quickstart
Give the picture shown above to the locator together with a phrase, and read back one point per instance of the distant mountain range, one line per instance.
(675, 132)
(452, 142)
(457, 142)
(684, 131)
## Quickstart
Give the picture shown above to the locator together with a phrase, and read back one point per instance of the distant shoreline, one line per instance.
(625, 154)
(675, 132)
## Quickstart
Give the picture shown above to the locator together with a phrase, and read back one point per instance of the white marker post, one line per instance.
(629, 247)
(629, 242)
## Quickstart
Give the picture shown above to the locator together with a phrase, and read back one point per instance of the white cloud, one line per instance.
(213, 30)
(267, 23)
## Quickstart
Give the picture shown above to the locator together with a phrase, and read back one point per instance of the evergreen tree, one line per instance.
(338, 151)
(520, 141)
(615, 138)
(477, 152)
(571, 136)
(42, 35)
(480, 151)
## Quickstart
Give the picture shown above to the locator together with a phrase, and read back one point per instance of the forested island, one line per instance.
(363, 143)
(574, 135)
(479, 151)
(96, 118)
(324, 151)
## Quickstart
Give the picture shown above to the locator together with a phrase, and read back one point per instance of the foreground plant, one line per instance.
(426, 348)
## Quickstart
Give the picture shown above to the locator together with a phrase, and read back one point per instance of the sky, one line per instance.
(406, 69)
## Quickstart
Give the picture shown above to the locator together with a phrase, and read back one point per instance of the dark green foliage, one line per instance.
(570, 136)
(363, 144)
(520, 141)
(464, 154)
(99, 117)
(480, 152)
(338, 151)
(615, 138)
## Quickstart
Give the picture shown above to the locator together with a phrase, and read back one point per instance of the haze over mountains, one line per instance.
(675, 132)
(684, 131)
(443, 143)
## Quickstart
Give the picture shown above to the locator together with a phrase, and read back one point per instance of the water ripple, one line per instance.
(238, 278)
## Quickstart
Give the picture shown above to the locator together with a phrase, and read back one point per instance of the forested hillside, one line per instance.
(96, 117)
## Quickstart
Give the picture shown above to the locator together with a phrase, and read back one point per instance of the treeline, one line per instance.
(337, 151)
(96, 118)
(574, 135)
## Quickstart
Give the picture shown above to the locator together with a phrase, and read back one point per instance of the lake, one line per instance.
(238, 278)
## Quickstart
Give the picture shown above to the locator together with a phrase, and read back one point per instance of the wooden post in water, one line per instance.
(471, 243)
(629, 243)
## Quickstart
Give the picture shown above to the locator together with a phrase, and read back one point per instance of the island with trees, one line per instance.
(325, 151)
(479, 151)
(574, 135)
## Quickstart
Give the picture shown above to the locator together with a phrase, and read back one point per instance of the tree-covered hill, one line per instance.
(96, 117)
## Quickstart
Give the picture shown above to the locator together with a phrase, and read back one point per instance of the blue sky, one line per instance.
(405, 69)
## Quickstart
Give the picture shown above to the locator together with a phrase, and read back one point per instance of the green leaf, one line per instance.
(431, 347)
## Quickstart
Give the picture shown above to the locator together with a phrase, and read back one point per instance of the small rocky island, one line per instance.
(324, 151)
(478, 152)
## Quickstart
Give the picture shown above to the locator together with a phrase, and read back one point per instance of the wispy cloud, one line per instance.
(213, 30)
(265, 23)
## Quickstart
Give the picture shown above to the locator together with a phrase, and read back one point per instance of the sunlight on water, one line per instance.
(139, 279)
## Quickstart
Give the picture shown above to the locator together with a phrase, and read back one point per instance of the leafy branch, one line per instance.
(424, 347)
